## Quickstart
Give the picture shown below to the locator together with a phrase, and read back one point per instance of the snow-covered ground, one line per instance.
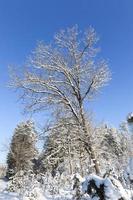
(4, 195)
(112, 188)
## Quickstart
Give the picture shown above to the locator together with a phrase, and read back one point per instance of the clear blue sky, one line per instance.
(24, 22)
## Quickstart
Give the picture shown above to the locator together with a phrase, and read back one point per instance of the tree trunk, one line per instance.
(87, 143)
(81, 166)
(70, 160)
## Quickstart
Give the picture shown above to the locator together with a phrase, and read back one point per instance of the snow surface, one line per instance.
(113, 191)
(4, 195)
(112, 187)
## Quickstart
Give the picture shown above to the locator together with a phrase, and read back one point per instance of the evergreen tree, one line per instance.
(22, 149)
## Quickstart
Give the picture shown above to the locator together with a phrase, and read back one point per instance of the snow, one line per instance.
(112, 187)
(97, 179)
(4, 195)
(77, 175)
(130, 168)
(130, 117)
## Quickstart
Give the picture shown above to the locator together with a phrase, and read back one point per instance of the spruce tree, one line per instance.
(22, 148)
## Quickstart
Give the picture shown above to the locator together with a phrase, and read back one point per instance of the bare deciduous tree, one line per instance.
(65, 73)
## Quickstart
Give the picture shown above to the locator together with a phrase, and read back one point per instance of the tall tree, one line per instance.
(22, 148)
(65, 73)
(129, 171)
(62, 146)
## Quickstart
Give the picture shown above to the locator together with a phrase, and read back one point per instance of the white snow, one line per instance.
(112, 187)
(4, 195)
(130, 116)
(113, 190)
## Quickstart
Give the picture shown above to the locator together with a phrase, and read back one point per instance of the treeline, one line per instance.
(64, 154)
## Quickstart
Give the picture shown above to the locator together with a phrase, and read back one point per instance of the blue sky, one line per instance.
(24, 22)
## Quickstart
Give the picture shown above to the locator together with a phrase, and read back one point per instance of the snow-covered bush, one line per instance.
(35, 193)
(55, 185)
(107, 188)
(26, 184)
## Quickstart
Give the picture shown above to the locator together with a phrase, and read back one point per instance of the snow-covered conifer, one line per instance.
(22, 148)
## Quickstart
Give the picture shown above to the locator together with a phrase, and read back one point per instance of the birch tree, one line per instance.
(65, 73)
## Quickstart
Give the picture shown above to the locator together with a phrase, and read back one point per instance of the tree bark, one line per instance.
(87, 143)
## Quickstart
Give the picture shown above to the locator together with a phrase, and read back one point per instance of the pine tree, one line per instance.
(22, 149)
